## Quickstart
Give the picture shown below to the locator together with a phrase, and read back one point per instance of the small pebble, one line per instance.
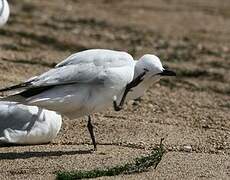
(187, 148)
(150, 106)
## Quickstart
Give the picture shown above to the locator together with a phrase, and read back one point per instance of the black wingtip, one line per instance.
(15, 87)
(34, 91)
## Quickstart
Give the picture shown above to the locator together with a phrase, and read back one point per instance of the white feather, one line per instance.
(4, 12)
(20, 124)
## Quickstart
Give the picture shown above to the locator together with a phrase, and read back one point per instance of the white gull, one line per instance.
(90, 81)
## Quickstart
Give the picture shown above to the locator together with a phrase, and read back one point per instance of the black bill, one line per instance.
(167, 72)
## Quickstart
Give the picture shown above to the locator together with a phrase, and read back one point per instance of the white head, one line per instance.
(4, 12)
(152, 65)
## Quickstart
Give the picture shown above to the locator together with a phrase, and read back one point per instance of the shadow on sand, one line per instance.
(28, 154)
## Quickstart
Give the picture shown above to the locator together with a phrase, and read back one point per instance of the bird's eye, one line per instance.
(146, 70)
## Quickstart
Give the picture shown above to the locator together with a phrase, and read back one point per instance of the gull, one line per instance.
(90, 81)
(21, 124)
(4, 12)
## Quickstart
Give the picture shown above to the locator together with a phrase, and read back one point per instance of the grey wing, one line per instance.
(59, 76)
(73, 74)
(100, 57)
(88, 73)
(90, 66)
(13, 116)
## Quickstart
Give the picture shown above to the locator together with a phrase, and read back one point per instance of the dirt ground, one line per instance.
(191, 111)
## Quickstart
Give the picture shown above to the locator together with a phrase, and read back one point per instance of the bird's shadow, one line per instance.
(29, 154)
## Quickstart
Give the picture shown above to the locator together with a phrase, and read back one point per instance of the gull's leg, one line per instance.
(90, 128)
(128, 88)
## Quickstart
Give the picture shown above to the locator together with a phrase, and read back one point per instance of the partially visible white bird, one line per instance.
(4, 12)
(20, 124)
(90, 81)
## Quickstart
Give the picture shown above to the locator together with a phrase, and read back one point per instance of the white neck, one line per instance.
(139, 90)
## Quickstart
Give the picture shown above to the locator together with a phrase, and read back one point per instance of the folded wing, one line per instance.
(91, 66)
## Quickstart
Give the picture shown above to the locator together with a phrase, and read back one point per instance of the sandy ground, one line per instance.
(191, 110)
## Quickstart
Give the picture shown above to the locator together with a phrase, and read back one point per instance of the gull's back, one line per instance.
(103, 57)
